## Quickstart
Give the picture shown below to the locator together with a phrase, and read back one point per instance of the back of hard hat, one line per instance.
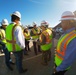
(34, 23)
(4, 22)
(74, 13)
(17, 13)
(44, 23)
(68, 15)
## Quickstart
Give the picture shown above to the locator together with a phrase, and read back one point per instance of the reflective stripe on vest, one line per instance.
(47, 34)
(11, 41)
(48, 44)
(62, 45)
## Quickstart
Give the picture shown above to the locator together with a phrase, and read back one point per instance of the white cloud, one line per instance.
(68, 1)
(67, 5)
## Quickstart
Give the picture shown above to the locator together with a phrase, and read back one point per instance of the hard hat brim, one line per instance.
(67, 19)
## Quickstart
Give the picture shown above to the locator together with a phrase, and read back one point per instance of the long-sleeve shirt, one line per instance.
(20, 40)
(70, 55)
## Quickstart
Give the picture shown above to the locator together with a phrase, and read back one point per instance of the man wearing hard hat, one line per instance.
(34, 34)
(15, 40)
(66, 48)
(45, 43)
(3, 42)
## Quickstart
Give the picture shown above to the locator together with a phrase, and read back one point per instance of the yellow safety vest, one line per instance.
(34, 34)
(27, 35)
(2, 36)
(48, 34)
(62, 45)
(11, 41)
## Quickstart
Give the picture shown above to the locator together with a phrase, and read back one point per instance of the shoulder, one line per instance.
(32, 29)
(18, 28)
(2, 30)
(72, 42)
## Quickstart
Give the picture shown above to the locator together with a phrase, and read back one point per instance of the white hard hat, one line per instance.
(34, 23)
(17, 13)
(26, 27)
(44, 23)
(74, 13)
(68, 15)
(4, 22)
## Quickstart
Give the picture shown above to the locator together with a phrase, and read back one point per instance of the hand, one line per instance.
(31, 38)
(55, 69)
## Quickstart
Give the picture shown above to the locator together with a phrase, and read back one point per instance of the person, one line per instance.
(35, 35)
(3, 42)
(66, 48)
(15, 40)
(27, 38)
(53, 31)
(45, 43)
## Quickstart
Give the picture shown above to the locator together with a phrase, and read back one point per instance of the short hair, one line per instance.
(14, 17)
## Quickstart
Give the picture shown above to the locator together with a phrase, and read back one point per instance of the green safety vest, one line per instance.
(48, 45)
(62, 45)
(33, 35)
(11, 41)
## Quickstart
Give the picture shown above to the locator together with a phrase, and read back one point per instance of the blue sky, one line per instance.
(36, 10)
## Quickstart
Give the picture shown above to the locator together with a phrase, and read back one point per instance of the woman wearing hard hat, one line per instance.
(27, 38)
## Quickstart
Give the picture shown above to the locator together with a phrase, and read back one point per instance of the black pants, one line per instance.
(60, 72)
(26, 46)
(36, 47)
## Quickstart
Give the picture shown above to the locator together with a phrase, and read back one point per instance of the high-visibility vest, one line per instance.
(34, 36)
(2, 36)
(48, 34)
(27, 35)
(62, 45)
(11, 41)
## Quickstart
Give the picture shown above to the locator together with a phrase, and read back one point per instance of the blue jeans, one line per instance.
(7, 54)
(19, 58)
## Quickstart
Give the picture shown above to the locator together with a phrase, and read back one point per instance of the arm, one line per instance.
(19, 37)
(25, 35)
(70, 56)
(43, 39)
(34, 32)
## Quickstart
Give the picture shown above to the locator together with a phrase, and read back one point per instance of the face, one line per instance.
(4, 26)
(64, 24)
(17, 22)
(42, 28)
(34, 26)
